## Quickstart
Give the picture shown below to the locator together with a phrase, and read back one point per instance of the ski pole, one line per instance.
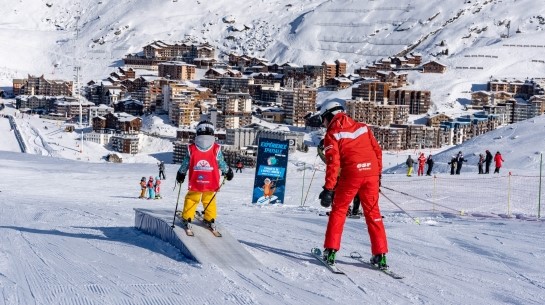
(177, 200)
(214, 196)
(425, 200)
(415, 219)
(310, 183)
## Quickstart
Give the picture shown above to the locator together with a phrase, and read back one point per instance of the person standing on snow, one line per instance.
(239, 166)
(351, 145)
(204, 161)
(421, 163)
(429, 162)
(162, 170)
(459, 161)
(498, 159)
(151, 188)
(452, 164)
(480, 164)
(410, 163)
(487, 160)
(157, 188)
(143, 187)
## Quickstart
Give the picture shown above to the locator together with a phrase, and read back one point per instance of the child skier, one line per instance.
(151, 188)
(142, 188)
(157, 188)
(204, 161)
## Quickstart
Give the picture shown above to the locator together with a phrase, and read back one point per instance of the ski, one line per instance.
(199, 216)
(187, 228)
(357, 256)
(317, 253)
(188, 231)
(348, 216)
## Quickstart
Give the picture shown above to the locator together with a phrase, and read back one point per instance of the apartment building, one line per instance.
(419, 101)
(177, 70)
(391, 138)
(33, 85)
(70, 107)
(230, 84)
(372, 90)
(376, 114)
(298, 103)
(235, 109)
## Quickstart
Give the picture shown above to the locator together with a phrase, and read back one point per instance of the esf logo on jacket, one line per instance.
(203, 165)
(364, 166)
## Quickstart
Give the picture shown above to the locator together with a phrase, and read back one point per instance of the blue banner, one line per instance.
(270, 174)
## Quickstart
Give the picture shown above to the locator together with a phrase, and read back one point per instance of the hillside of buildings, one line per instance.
(425, 75)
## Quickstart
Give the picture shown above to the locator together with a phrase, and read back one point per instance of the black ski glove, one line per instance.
(229, 174)
(180, 177)
(326, 198)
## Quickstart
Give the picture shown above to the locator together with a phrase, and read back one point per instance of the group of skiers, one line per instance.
(422, 161)
(486, 160)
(456, 163)
(150, 189)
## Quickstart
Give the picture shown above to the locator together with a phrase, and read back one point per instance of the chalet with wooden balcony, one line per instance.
(129, 105)
(397, 79)
(434, 67)
(436, 119)
(337, 83)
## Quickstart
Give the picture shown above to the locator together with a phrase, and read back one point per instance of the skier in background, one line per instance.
(452, 164)
(143, 188)
(488, 160)
(162, 170)
(410, 163)
(239, 166)
(151, 188)
(480, 163)
(421, 163)
(351, 145)
(157, 188)
(498, 159)
(459, 161)
(429, 162)
(204, 161)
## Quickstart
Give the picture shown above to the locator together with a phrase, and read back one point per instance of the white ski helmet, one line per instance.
(205, 128)
(329, 109)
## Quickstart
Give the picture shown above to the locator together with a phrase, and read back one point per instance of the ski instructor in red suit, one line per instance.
(352, 147)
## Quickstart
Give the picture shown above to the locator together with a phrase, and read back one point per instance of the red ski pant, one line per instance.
(421, 170)
(368, 190)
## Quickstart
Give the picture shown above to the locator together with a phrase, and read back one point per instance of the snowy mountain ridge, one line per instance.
(46, 37)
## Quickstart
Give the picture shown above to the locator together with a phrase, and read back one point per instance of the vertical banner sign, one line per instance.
(270, 173)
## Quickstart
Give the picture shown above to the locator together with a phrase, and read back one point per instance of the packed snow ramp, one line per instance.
(225, 251)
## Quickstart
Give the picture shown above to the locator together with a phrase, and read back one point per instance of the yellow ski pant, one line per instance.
(192, 199)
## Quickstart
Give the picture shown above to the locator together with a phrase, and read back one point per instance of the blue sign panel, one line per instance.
(270, 174)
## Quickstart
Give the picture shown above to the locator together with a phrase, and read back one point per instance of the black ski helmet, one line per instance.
(205, 128)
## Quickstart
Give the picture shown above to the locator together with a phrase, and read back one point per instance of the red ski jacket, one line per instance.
(498, 159)
(421, 160)
(352, 147)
